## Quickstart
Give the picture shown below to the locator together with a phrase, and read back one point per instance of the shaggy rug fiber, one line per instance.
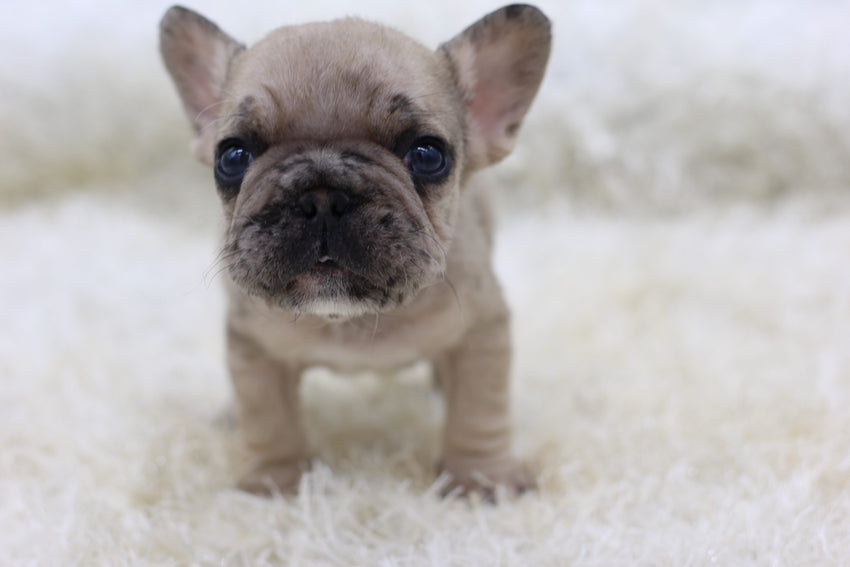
(674, 240)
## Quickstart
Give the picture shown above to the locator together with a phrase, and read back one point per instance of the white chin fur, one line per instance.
(336, 310)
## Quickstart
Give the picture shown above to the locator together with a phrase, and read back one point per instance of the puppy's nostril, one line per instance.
(338, 202)
(322, 202)
(308, 203)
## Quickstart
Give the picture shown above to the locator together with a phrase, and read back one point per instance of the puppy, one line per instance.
(343, 154)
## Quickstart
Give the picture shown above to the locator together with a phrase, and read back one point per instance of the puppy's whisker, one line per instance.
(197, 118)
(210, 276)
(375, 328)
(208, 280)
(439, 245)
(220, 263)
(458, 303)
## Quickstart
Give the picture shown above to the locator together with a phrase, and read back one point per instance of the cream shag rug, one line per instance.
(677, 258)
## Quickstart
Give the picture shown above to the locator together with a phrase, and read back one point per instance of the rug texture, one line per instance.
(674, 241)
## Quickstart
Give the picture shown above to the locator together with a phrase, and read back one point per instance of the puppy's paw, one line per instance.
(274, 478)
(484, 476)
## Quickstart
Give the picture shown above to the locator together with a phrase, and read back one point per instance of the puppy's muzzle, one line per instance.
(334, 229)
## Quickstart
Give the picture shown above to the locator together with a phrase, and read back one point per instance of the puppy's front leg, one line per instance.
(477, 438)
(268, 408)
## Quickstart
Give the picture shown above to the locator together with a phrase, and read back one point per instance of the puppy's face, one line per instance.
(339, 173)
(339, 149)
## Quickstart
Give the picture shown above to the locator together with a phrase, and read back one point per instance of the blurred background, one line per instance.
(648, 106)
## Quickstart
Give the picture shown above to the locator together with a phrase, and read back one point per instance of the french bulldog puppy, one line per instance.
(343, 154)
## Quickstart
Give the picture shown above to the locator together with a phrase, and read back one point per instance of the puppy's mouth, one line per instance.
(327, 268)
(329, 276)
(326, 264)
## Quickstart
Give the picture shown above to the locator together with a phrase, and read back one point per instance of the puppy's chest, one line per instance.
(346, 349)
(371, 342)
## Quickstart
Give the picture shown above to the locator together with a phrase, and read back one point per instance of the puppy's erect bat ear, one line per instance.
(499, 61)
(197, 55)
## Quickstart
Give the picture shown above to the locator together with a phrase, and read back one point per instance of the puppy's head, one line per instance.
(339, 149)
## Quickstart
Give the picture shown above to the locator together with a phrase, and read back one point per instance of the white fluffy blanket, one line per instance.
(676, 251)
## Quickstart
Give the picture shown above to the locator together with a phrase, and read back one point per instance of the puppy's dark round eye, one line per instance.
(232, 162)
(426, 157)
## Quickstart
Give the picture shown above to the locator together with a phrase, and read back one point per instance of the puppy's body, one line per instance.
(342, 153)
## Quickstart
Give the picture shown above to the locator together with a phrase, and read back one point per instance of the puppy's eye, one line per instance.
(232, 162)
(426, 158)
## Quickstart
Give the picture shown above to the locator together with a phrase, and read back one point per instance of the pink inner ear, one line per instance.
(197, 54)
(204, 97)
(498, 102)
(201, 77)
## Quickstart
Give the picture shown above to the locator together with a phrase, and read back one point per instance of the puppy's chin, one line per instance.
(332, 293)
(336, 310)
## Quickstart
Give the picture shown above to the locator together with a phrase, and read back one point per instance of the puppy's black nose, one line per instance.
(323, 202)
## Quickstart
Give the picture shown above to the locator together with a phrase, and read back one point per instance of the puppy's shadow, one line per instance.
(372, 422)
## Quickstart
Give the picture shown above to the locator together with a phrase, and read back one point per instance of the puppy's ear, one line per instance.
(197, 55)
(499, 62)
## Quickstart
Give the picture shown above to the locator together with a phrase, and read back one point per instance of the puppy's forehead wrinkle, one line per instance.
(382, 117)
(347, 78)
(245, 110)
(246, 119)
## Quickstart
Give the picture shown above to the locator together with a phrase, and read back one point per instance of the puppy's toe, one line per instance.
(484, 477)
(274, 478)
